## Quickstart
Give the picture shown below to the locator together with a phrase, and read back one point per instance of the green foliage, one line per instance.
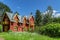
(52, 29)
(56, 19)
(36, 29)
(10, 31)
(47, 18)
(49, 8)
(5, 7)
(24, 36)
(1, 29)
(30, 30)
(38, 18)
(17, 12)
(24, 28)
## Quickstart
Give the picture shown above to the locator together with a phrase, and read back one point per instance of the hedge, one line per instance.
(52, 29)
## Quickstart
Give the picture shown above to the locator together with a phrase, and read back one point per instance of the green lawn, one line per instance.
(25, 36)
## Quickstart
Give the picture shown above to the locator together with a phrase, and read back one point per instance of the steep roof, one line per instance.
(11, 15)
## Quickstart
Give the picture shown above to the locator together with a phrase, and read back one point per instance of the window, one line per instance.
(16, 28)
(11, 23)
(18, 24)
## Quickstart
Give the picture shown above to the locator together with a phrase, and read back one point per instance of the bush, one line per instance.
(10, 31)
(36, 29)
(52, 29)
(1, 28)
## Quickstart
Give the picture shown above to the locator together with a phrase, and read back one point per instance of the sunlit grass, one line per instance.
(25, 36)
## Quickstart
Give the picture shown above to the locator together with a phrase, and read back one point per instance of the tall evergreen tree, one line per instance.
(31, 13)
(17, 12)
(48, 16)
(5, 7)
(50, 11)
(38, 18)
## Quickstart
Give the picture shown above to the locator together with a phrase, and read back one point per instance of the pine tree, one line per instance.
(17, 12)
(48, 16)
(5, 7)
(38, 18)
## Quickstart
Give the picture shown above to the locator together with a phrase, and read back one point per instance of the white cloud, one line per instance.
(55, 13)
(45, 12)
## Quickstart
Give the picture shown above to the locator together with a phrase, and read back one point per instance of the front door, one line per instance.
(5, 28)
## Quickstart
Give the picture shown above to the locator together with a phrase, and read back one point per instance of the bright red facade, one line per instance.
(20, 26)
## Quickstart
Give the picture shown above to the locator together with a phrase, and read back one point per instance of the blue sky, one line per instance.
(25, 7)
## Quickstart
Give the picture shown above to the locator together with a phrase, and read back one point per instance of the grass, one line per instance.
(25, 36)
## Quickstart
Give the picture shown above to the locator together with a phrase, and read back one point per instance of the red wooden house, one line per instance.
(16, 22)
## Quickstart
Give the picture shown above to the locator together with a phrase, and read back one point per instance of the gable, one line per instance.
(15, 17)
(31, 18)
(10, 15)
(24, 20)
(5, 17)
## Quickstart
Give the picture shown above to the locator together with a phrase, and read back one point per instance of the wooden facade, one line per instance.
(6, 23)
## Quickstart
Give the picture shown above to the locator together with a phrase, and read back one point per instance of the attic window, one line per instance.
(33, 17)
(27, 21)
(27, 24)
(21, 24)
(16, 17)
(11, 23)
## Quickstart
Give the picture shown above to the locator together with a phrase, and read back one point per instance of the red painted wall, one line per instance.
(20, 28)
(31, 21)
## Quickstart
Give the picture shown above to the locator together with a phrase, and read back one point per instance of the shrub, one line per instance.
(10, 31)
(52, 29)
(36, 29)
(1, 28)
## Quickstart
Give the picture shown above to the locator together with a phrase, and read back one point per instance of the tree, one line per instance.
(5, 7)
(17, 12)
(56, 19)
(38, 18)
(48, 16)
(50, 11)
(31, 13)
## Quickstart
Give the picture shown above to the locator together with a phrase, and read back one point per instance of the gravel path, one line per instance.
(1, 38)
